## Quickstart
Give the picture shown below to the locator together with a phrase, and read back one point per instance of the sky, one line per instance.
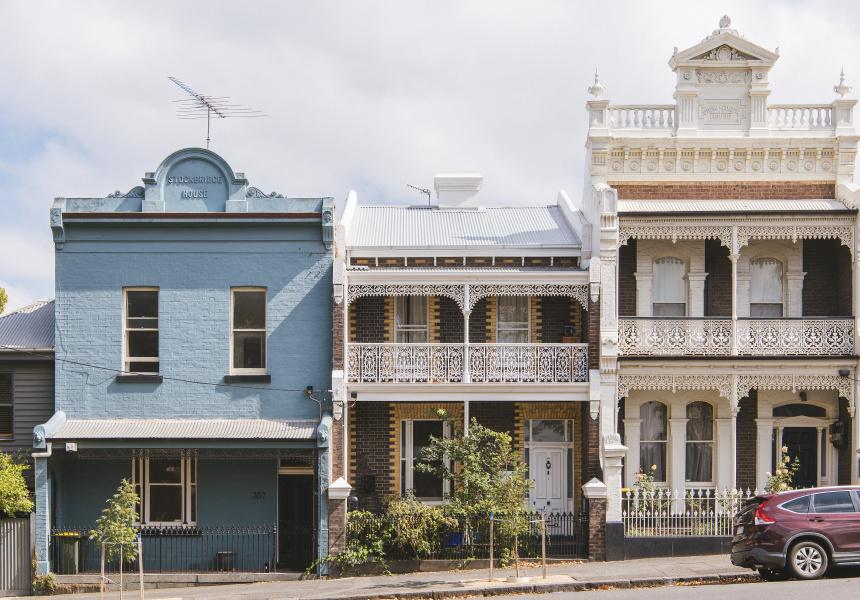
(359, 95)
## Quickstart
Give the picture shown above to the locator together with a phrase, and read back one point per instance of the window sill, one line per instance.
(247, 379)
(134, 378)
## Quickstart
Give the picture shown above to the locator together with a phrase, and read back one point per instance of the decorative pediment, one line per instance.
(723, 45)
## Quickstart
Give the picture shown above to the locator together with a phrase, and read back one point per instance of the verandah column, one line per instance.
(734, 258)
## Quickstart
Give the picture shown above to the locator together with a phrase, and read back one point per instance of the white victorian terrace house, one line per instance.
(729, 274)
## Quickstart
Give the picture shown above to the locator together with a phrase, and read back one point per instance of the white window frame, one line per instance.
(126, 359)
(407, 328)
(407, 457)
(654, 288)
(782, 291)
(233, 330)
(712, 442)
(527, 328)
(188, 482)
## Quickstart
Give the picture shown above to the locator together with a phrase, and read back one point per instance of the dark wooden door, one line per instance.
(802, 442)
(295, 521)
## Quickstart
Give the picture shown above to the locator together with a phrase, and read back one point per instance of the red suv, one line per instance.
(798, 533)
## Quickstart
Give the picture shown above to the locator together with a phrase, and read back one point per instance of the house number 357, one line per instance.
(258, 495)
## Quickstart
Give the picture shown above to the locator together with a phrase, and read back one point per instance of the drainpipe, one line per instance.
(41, 433)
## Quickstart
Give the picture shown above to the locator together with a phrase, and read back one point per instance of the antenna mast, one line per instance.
(422, 190)
(200, 106)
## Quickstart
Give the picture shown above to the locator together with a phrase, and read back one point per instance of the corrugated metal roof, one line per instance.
(31, 326)
(660, 206)
(234, 429)
(491, 227)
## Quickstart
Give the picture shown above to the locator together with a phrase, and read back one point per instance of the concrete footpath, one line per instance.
(459, 584)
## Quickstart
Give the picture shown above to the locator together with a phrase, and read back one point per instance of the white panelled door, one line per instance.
(547, 471)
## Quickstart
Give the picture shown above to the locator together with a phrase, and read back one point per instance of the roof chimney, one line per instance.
(457, 190)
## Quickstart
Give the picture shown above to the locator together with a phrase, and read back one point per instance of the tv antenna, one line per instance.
(422, 190)
(204, 107)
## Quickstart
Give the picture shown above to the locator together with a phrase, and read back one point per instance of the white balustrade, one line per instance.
(799, 116)
(675, 337)
(781, 337)
(488, 363)
(662, 512)
(642, 117)
(753, 337)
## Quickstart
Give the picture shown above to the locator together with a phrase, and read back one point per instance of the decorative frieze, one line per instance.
(795, 383)
(480, 291)
(721, 383)
(661, 230)
(456, 292)
(774, 231)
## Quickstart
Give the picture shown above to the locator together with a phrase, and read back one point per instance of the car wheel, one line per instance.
(772, 574)
(807, 560)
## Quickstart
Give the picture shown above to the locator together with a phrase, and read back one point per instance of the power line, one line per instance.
(81, 364)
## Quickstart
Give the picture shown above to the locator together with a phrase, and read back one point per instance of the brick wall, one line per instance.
(718, 283)
(556, 313)
(592, 334)
(821, 283)
(627, 280)
(336, 526)
(746, 441)
(846, 453)
(367, 324)
(742, 190)
(597, 529)
(482, 322)
(372, 453)
(843, 282)
(498, 416)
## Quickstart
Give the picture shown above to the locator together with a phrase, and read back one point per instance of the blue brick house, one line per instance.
(193, 314)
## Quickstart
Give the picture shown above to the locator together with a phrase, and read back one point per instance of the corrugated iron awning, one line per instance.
(186, 429)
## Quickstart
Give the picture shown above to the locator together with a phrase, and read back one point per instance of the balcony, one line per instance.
(467, 363)
(715, 336)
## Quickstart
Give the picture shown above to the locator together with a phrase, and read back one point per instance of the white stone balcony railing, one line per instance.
(799, 116)
(642, 117)
(466, 363)
(804, 336)
(713, 336)
(643, 336)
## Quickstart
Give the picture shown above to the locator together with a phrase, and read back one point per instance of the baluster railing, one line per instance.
(799, 116)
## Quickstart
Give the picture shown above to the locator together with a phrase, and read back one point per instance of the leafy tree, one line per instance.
(116, 525)
(487, 475)
(14, 496)
(3, 299)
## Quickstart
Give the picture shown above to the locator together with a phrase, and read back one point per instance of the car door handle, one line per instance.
(816, 519)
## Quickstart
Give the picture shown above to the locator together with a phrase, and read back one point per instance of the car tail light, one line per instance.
(761, 517)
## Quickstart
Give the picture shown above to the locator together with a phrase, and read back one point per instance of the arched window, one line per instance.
(670, 287)
(652, 440)
(700, 442)
(766, 297)
(799, 410)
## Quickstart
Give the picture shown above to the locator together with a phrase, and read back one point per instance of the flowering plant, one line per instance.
(780, 481)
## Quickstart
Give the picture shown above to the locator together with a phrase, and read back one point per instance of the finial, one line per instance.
(596, 89)
(674, 50)
(843, 88)
(725, 22)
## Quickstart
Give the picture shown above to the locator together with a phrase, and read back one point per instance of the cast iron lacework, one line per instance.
(453, 291)
(646, 231)
(577, 292)
(796, 382)
(721, 383)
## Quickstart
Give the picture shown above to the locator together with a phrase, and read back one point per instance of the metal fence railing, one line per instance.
(459, 537)
(685, 513)
(246, 548)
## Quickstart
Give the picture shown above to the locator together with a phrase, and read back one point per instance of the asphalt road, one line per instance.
(843, 584)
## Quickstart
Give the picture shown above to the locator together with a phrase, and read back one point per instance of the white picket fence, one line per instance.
(684, 513)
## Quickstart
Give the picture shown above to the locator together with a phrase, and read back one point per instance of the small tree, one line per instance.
(115, 528)
(487, 475)
(14, 496)
(3, 299)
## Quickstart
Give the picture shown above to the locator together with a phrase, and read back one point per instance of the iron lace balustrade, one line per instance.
(677, 336)
(685, 513)
(796, 336)
(173, 549)
(487, 363)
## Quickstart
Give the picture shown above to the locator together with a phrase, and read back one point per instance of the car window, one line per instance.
(798, 505)
(833, 502)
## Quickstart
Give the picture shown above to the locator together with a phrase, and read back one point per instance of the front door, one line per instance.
(802, 443)
(546, 470)
(295, 521)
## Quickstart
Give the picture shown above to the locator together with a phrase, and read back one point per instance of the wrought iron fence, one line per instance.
(247, 548)
(685, 513)
(459, 537)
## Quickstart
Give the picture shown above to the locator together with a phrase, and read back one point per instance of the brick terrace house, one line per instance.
(484, 311)
(729, 278)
